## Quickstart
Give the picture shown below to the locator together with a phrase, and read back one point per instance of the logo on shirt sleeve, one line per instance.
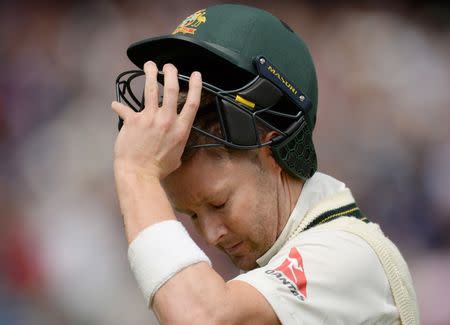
(292, 274)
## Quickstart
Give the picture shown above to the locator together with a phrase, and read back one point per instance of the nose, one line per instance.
(212, 229)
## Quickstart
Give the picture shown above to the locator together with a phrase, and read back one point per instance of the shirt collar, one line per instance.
(316, 189)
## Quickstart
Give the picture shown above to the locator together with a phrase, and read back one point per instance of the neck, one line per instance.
(290, 189)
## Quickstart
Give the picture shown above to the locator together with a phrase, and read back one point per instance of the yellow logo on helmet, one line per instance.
(281, 78)
(191, 23)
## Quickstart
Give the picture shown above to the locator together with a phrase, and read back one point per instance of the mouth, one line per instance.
(233, 250)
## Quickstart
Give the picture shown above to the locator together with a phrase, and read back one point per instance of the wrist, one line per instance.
(179, 252)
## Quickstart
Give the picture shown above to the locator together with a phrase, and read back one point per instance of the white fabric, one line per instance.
(315, 189)
(393, 263)
(324, 276)
(159, 252)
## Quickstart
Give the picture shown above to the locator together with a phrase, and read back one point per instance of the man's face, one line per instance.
(232, 203)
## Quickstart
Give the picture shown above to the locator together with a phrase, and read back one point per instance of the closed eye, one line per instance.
(219, 206)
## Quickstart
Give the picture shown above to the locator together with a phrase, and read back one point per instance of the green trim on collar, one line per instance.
(349, 210)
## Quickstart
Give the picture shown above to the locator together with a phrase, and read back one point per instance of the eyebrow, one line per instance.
(208, 198)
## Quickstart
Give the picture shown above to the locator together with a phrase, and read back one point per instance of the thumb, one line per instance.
(122, 110)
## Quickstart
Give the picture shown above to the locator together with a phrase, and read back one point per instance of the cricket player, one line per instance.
(228, 141)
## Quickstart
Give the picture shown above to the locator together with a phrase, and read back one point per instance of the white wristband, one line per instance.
(159, 252)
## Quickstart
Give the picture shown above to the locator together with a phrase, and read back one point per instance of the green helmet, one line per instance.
(260, 71)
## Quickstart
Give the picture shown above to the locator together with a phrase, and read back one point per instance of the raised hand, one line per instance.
(152, 141)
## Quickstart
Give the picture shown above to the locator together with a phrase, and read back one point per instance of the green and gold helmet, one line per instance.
(260, 71)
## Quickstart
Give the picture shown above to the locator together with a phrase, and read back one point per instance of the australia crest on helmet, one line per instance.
(191, 23)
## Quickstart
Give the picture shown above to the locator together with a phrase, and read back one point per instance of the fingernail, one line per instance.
(147, 63)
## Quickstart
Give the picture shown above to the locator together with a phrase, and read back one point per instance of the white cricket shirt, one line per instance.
(322, 275)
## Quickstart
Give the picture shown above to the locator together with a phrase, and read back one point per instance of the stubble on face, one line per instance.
(261, 232)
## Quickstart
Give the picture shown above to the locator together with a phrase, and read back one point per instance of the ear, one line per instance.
(265, 153)
(269, 136)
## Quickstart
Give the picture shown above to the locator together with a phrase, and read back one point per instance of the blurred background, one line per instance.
(383, 128)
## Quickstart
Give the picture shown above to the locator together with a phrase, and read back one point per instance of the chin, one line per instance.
(244, 263)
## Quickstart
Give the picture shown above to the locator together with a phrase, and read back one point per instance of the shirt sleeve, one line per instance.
(325, 277)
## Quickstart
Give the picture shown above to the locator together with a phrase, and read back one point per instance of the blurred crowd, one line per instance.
(383, 128)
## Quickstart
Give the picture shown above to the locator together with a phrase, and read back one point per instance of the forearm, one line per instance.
(142, 199)
(196, 294)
